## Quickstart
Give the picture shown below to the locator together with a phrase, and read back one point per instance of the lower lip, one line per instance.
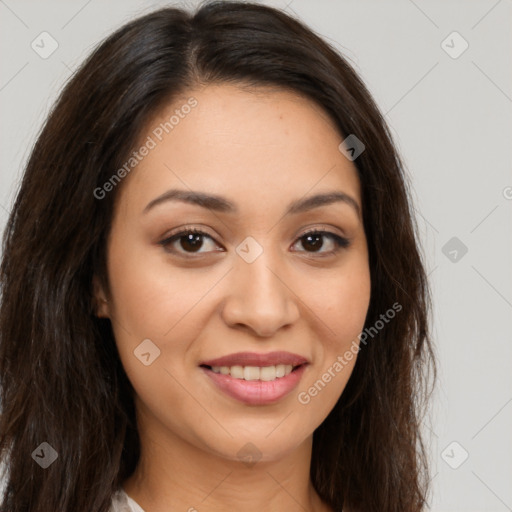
(256, 392)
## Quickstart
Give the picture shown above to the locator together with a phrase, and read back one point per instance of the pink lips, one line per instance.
(257, 392)
(255, 359)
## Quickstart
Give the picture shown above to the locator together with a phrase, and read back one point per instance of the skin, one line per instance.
(260, 149)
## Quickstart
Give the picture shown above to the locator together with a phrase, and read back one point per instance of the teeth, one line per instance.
(265, 373)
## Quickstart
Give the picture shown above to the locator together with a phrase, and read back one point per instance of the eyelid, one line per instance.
(181, 230)
(340, 240)
(324, 228)
(177, 233)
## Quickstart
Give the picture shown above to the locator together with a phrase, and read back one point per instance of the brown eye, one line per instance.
(314, 241)
(190, 241)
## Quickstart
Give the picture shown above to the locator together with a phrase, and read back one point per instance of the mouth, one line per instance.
(253, 385)
(252, 373)
(255, 359)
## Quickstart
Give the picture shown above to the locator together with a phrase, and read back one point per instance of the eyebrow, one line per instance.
(223, 205)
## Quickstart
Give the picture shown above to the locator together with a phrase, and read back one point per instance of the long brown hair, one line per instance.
(61, 378)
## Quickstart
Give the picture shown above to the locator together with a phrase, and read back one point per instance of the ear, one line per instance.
(101, 305)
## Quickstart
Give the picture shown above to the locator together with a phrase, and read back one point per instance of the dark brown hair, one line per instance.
(61, 378)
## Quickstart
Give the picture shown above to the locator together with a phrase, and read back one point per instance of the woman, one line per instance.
(212, 292)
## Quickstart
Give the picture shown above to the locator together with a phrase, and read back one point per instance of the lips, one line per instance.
(256, 392)
(256, 359)
(236, 375)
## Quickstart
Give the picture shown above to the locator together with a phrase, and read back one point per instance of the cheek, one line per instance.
(340, 301)
(166, 305)
(151, 298)
(340, 309)
(157, 311)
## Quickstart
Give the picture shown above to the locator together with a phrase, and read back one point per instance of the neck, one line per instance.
(173, 473)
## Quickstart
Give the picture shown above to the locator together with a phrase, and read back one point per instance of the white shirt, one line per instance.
(121, 502)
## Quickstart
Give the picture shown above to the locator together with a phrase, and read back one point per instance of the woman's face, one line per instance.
(254, 280)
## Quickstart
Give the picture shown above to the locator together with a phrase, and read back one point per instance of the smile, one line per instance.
(265, 373)
(254, 385)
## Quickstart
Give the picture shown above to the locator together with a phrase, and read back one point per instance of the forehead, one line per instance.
(254, 144)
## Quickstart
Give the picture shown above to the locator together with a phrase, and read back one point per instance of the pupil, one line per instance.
(315, 241)
(193, 240)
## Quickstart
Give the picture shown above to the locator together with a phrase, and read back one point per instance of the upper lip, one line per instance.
(255, 359)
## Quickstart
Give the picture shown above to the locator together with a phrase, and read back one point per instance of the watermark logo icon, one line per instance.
(44, 45)
(45, 455)
(351, 147)
(454, 249)
(454, 455)
(249, 249)
(146, 352)
(249, 454)
(454, 45)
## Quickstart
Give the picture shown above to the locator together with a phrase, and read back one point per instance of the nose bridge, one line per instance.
(260, 281)
(258, 296)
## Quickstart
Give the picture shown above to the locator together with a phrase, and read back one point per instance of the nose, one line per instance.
(260, 297)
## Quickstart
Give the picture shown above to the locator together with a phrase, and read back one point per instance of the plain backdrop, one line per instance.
(441, 73)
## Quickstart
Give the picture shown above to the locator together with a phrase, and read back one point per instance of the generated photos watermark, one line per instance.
(152, 141)
(304, 397)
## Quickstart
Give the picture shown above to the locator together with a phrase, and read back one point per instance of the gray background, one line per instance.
(451, 118)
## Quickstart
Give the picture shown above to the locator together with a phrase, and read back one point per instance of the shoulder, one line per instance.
(121, 502)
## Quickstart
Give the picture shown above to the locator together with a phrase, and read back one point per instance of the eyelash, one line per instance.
(341, 242)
